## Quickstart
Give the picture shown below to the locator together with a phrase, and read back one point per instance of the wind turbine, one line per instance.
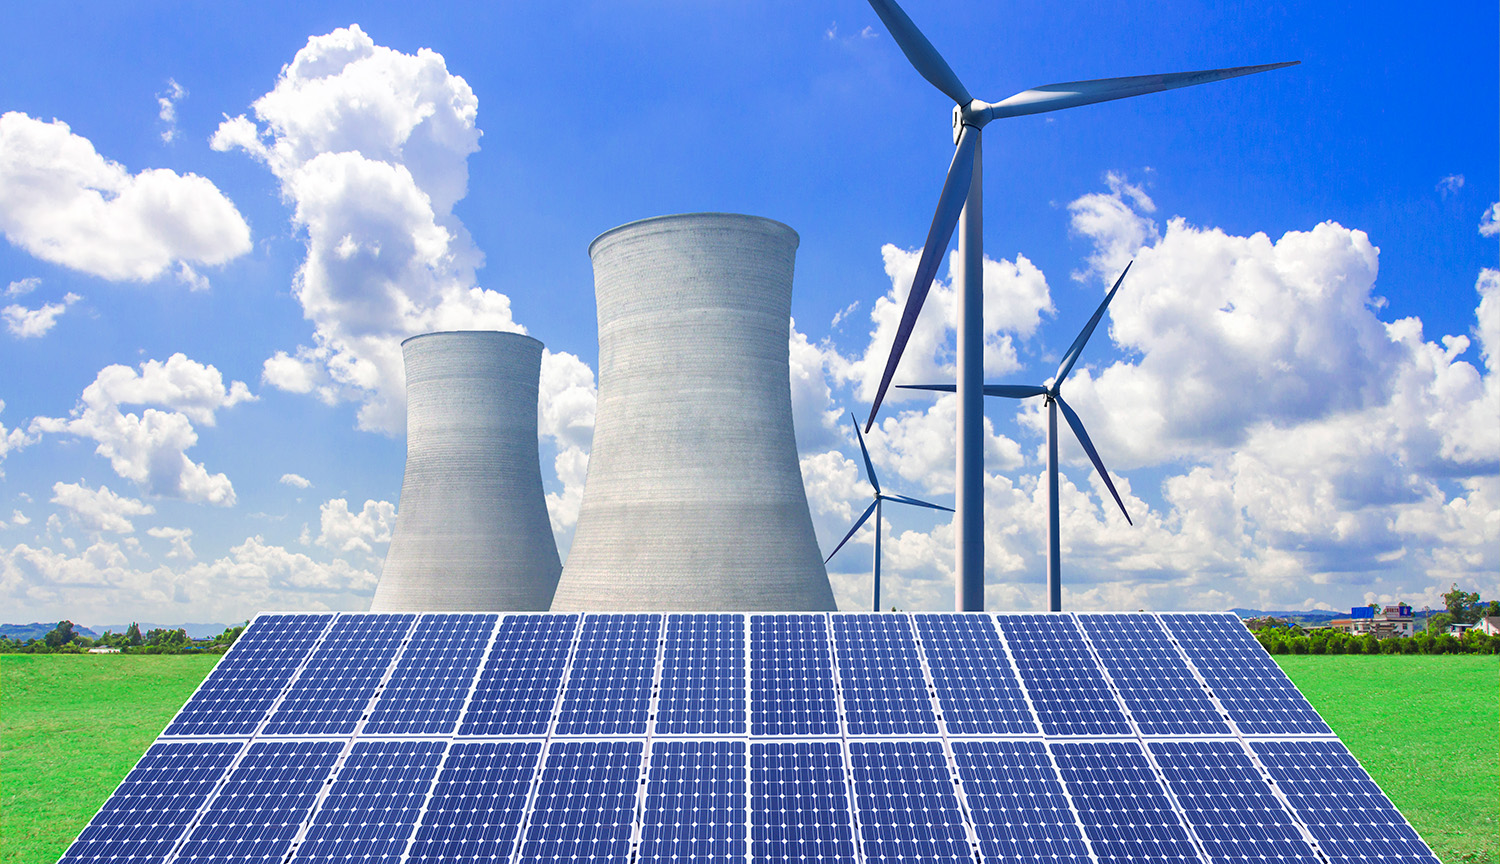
(1052, 393)
(960, 203)
(875, 508)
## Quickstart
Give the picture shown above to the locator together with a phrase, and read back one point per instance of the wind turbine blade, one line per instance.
(1088, 447)
(869, 466)
(1015, 391)
(920, 52)
(902, 499)
(950, 205)
(1054, 97)
(1076, 348)
(857, 526)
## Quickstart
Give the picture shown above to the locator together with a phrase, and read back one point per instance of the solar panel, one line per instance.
(1058, 670)
(433, 676)
(585, 802)
(799, 803)
(703, 676)
(373, 804)
(330, 695)
(475, 807)
(518, 687)
(1229, 804)
(1019, 808)
(1124, 810)
(907, 807)
(152, 807)
(976, 684)
(261, 807)
(885, 692)
(696, 802)
(235, 697)
(609, 686)
(1341, 806)
(1159, 689)
(791, 676)
(1248, 683)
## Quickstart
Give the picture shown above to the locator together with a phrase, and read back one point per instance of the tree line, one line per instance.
(1460, 607)
(64, 639)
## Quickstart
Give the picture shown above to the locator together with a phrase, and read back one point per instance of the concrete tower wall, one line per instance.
(472, 531)
(694, 498)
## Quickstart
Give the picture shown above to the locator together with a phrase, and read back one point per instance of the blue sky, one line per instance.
(1297, 384)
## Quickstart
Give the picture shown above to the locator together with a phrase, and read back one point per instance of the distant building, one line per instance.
(1388, 621)
(104, 650)
(1490, 625)
(1459, 629)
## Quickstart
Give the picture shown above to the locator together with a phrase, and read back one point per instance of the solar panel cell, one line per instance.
(331, 693)
(1067, 690)
(517, 690)
(475, 809)
(1017, 802)
(1125, 812)
(373, 804)
(243, 686)
(791, 676)
(880, 674)
(799, 804)
(433, 676)
(976, 684)
(614, 667)
(703, 676)
(585, 802)
(696, 803)
(1159, 689)
(907, 808)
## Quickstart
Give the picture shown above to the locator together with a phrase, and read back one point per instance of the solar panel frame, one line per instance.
(416, 668)
(677, 767)
(1135, 659)
(897, 703)
(495, 686)
(476, 763)
(1011, 772)
(330, 831)
(824, 717)
(632, 764)
(728, 713)
(961, 711)
(584, 699)
(1133, 782)
(323, 698)
(875, 833)
(1067, 705)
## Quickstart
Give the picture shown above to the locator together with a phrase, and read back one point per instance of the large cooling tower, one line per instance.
(694, 498)
(472, 531)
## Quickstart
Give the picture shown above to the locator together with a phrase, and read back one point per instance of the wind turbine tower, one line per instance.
(960, 204)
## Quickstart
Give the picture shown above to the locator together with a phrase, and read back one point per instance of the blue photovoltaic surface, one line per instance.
(703, 676)
(243, 685)
(1019, 809)
(1341, 806)
(334, 688)
(609, 686)
(1228, 803)
(975, 681)
(518, 688)
(1124, 810)
(791, 676)
(585, 803)
(369, 813)
(881, 677)
(1066, 687)
(263, 804)
(696, 802)
(149, 811)
(1159, 689)
(907, 808)
(433, 676)
(474, 813)
(799, 804)
(1252, 688)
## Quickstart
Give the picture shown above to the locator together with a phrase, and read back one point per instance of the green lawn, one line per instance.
(1425, 727)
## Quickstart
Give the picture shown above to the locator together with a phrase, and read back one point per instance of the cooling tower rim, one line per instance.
(501, 333)
(782, 226)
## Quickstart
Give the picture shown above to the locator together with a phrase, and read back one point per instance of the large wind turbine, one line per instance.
(875, 508)
(960, 203)
(1053, 396)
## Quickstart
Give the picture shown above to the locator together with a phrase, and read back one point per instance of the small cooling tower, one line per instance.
(694, 498)
(472, 531)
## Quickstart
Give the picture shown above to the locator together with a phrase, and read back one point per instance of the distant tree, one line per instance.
(61, 635)
(166, 639)
(133, 634)
(1462, 605)
(1263, 622)
(1438, 622)
(225, 639)
(1492, 610)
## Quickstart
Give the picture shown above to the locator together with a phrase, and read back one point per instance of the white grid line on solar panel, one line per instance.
(1125, 810)
(1160, 691)
(154, 804)
(433, 676)
(373, 803)
(585, 803)
(1230, 806)
(1067, 688)
(696, 802)
(262, 805)
(235, 697)
(908, 810)
(976, 684)
(703, 675)
(791, 676)
(331, 693)
(1259, 697)
(608, 691)
(799, 803)
(474, 808)
(1017, 803)
(880, 676)
(518, 688)
(1341, 806)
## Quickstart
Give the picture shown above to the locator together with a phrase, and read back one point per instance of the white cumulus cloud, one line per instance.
(99, 509)
(21, 287)
(178, 538)
(24, 323)
(296, 480)
(344, 531)
(166, 104)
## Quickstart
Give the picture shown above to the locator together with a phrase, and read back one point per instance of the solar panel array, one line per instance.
(747, 737)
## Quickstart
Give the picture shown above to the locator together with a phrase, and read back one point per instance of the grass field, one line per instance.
(1425, 728)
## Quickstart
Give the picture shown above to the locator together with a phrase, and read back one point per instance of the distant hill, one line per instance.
(37, 630)
(1306, 616)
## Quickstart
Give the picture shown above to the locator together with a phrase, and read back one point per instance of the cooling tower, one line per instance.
(694, 498)
(472, 531)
